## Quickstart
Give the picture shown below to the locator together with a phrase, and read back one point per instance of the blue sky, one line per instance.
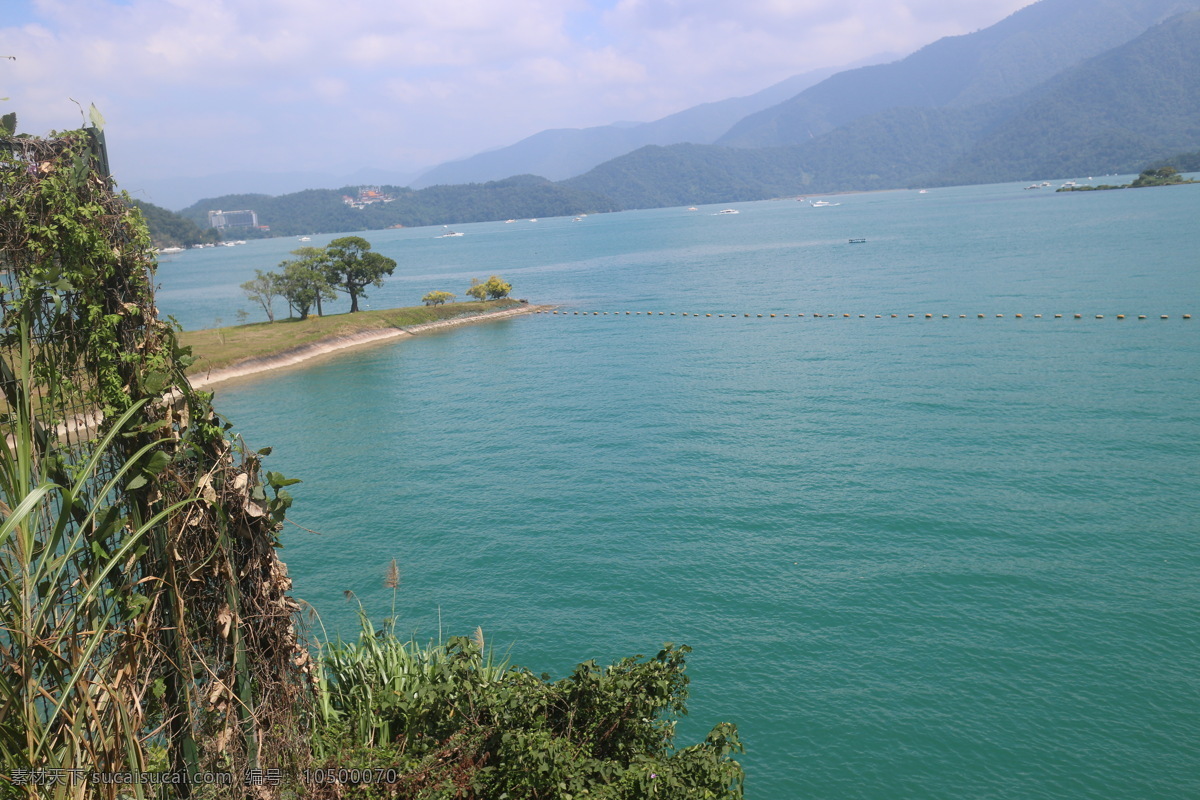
(200, 87)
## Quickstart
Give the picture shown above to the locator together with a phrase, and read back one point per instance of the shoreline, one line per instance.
(333, 344)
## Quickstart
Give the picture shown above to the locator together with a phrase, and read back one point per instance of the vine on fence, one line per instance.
(143, 608)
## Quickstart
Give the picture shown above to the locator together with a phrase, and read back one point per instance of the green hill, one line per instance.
(168, 229)
(323, 210)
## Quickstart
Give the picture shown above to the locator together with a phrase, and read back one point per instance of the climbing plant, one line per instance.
(144, 614)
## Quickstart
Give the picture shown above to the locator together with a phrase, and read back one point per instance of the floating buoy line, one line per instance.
(925, 315)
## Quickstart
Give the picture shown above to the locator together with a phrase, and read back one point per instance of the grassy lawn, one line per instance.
(221, 347)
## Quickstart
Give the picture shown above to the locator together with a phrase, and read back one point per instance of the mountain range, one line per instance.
(566, 152)
(1059, 88)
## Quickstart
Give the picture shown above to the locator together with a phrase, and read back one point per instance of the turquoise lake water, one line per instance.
(915, 558)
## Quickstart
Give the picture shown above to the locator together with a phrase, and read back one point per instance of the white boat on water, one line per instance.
(306, 238)
(727, 211)
(449, 234)
(823, 204)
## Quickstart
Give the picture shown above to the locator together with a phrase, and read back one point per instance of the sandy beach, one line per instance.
(333, 344)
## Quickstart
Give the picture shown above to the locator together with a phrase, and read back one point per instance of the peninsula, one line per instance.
(223, 354)
(1166, 176)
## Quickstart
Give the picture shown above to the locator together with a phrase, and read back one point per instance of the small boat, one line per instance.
(449, 234)
(306, 238)
(728, 211)
(857, 241)
(823, 204)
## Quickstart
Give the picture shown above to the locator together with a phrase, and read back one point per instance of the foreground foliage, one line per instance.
(451, 722)
(144, 617)
(145, 622)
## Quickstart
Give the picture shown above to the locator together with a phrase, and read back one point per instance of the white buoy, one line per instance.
(1058, 316)
(1187, 316)
(1079, 316)
(1099, 316)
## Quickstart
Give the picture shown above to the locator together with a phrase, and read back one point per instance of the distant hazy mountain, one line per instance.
(561, 153)
(1137, 103)
(1004, 60)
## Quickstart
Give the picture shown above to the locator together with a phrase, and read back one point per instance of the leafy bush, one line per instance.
(453, 722)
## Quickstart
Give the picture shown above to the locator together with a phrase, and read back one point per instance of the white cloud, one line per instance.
(299, 79)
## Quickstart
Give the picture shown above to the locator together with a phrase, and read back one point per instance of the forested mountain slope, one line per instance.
(1004, 60)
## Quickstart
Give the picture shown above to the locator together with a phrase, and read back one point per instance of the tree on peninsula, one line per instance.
(492, 289)
(262, 290)
(438, 298)
(304, 282)
(497, 288)
(303, 287)
(352, 266)
(477, 290)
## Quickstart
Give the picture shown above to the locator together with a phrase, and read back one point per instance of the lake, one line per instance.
(938, 557)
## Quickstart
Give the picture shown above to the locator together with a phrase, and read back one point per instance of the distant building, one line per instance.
(366, 196)
(232, 219)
